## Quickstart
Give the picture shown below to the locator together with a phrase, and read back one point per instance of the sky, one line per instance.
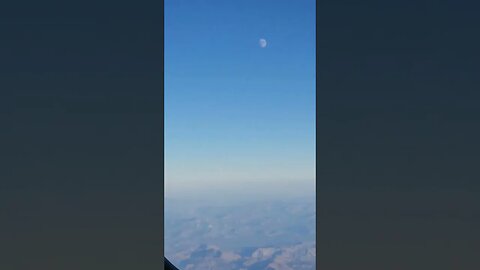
(239, 112)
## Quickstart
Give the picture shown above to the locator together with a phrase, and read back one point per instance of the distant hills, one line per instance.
(294, 257)
(257, 235)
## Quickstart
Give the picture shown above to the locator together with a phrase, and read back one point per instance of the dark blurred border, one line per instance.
(397, 135)
(81, 115)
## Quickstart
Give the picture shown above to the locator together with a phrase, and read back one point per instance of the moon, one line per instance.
(262, 42)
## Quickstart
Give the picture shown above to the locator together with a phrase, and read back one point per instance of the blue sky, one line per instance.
(235, 113)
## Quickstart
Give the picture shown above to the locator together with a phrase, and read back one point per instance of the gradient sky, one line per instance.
(236, 112)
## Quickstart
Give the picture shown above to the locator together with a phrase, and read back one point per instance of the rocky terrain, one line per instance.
(257, 235)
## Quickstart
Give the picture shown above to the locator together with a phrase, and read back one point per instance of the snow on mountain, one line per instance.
(268, 235)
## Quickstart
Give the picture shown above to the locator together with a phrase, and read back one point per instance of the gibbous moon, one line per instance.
(262, 42)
